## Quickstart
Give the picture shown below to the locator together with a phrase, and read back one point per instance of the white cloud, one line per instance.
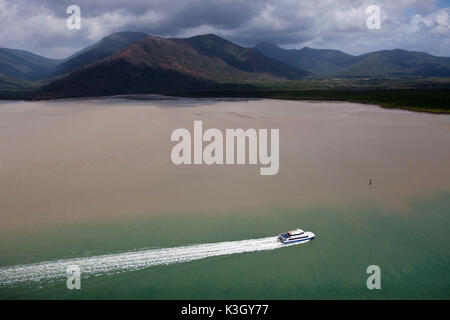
(39, 26)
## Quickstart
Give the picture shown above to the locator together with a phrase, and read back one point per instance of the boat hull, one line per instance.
(311, 236)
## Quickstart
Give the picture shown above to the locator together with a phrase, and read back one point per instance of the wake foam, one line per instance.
(128, 261)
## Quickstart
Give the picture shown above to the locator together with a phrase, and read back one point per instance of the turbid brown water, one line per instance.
(89, 177)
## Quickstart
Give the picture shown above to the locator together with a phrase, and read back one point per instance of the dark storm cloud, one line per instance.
(40, 26)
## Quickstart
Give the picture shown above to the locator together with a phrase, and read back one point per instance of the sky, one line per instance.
(39, 26)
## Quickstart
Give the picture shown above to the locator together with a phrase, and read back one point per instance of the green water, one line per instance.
(412, 249)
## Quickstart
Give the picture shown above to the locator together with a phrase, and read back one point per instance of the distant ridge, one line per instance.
(379, 64)
(25, 65)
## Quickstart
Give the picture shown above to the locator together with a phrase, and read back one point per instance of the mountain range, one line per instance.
(379, 64)
(154, 64)
(134, 62)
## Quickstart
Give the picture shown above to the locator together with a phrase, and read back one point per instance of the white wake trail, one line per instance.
(137, 260)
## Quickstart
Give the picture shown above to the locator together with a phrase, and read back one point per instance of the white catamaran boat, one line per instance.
(297, 235)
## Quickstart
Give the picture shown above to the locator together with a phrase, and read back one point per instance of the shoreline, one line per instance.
(413, 100)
